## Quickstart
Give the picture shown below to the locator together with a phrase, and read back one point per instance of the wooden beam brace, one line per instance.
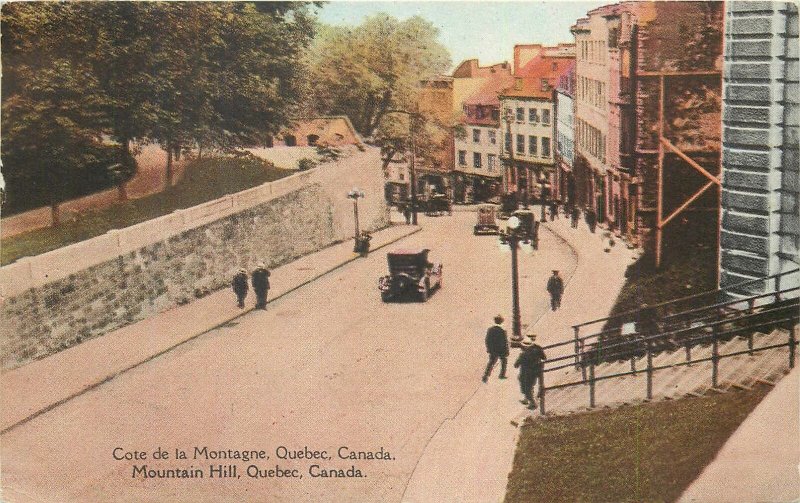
(687, 203)
(709, 73)
(690, 161)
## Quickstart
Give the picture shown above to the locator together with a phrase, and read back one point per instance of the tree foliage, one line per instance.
(364, 72)
(77, 74)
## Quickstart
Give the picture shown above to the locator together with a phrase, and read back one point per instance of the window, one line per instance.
(492, 136)
(312, 140)
(476, 160)
(289, 140)
(507, 113)
(462, 157)
(476, 135)
(546, 147)
(496, 114)
(533, 115)
(545, 85)
(520, 144)
(491, 162)
(545, 117)
(508, 143)
(402, 176)
(520, 114)
(532, 145)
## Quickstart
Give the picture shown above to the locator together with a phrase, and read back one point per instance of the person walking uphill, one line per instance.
(530, 366)
(260, 281)
(239, 285)
(497, 347)
(555, 287)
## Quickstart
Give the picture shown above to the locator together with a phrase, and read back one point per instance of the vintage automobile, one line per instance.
(487, 220)
(528, 226)
(410, 274)
(437, 205)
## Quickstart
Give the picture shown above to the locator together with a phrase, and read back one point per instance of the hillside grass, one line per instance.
(204, 180)
(650, 452)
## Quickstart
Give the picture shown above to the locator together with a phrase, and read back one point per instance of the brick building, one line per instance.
(760, 225)
(563, 181)
(647, 120)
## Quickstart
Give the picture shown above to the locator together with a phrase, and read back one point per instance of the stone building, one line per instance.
(760, 224)
(528, 121)
(477, 174)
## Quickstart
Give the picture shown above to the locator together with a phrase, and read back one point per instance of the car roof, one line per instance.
(409, 251)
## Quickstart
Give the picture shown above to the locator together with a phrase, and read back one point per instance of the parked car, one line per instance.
(410, 273)
(437, 205)
(528, 226)
(487, 220)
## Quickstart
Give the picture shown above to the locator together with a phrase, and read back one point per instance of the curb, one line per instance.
(194, 335)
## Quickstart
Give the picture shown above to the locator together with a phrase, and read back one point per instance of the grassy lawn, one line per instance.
(205, 180)
(650, 452)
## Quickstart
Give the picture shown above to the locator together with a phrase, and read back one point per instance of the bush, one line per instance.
(306, 164)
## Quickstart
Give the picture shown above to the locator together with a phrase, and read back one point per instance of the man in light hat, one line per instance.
(239, 285)
(497, 347)
(260, 281)
(555, 286)
(530, 365)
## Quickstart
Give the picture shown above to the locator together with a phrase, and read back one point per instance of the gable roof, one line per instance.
(529, 78)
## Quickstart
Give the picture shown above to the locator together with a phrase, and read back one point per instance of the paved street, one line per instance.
(326, 366)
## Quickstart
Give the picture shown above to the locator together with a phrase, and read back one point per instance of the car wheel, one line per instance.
(385, 296)
(424, 294)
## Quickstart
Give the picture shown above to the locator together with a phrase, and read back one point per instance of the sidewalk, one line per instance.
(39, 386)
(469, 458)
(759, 462)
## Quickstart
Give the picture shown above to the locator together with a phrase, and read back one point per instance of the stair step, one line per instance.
(765, 381)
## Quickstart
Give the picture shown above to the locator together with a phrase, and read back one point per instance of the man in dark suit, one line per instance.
(497, 347)
(555, 287)
(530, 365)
(260, 280)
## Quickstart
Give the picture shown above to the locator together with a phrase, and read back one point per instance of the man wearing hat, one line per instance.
(239, 285)
(497, 347)
(555, 286)
(530, 367)
(260, 281)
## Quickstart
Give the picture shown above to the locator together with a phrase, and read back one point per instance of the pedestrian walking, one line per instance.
(497, 347)
(591, 219)
(260, 280)
(530, 365)
(407, 214)
(239, 285)
(555, 287)
(553, 210)
(576, 213)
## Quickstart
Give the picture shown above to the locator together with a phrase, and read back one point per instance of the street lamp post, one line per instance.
(512, 237)
(355, 194)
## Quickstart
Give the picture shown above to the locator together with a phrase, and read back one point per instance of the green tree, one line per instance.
(375, 67)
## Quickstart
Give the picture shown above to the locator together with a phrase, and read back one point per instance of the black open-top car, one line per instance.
(410, 273)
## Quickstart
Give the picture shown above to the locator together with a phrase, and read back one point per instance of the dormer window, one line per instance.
(518, 84)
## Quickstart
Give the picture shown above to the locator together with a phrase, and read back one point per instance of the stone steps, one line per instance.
(740, 371)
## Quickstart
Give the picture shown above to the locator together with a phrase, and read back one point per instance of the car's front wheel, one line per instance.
(385, 297)
(426, 292)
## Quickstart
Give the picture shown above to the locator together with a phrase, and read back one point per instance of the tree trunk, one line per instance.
(55, 214)
(122, 190)
(168, 174)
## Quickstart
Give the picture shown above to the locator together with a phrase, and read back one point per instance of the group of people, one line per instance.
(530, 361)
(574, 213)
(260, 281)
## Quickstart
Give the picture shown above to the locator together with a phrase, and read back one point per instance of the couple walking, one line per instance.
(260, 280)
(529, 362)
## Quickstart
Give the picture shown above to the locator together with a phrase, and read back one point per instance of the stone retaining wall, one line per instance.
(61, 298)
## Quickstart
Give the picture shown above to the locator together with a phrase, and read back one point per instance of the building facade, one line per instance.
(760, 224)
(647, 116)
(477, 174)
(528, 117)
(563, 183)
